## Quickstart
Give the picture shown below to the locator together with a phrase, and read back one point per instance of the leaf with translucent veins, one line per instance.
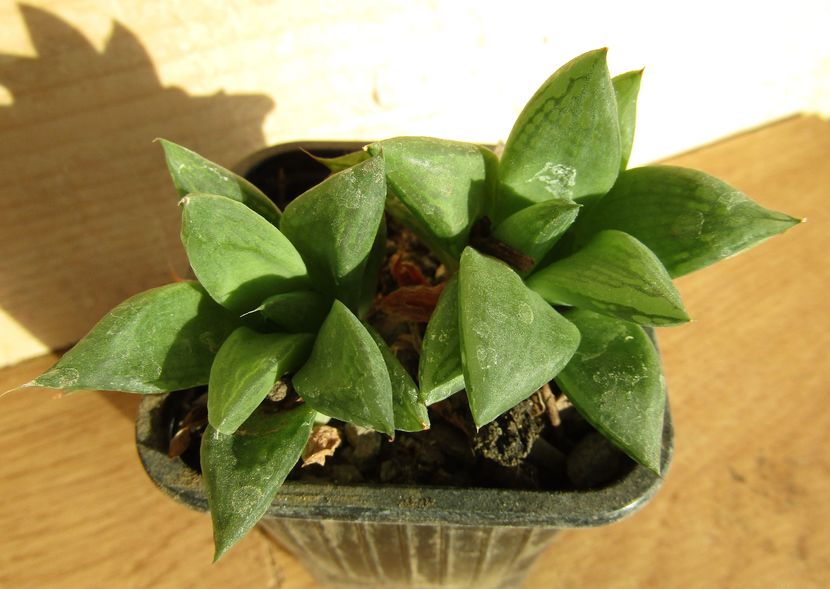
(616, 383)
(614, 274)
(512, 341)
(346, 376)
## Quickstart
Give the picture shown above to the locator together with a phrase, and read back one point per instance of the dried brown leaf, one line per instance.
(322, 443)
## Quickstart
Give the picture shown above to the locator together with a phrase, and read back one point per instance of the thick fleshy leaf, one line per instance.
(626, 89)
(297, 311)
(192, 173)
(246, 368)
(334, 226)
(534, 230)
(158, 341)
(440, 372)
(242, 472)
(686, 217)
(240, 258)
(446, 185)
(343, 162)
(512, 341)
(371, 273)
(566, 141)
(410, 413)
(346, 376)
(614, 274)
(616, 383)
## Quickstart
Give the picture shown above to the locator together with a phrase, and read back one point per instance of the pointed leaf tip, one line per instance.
(346, 375)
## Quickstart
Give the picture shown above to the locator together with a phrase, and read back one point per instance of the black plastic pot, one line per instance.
(397, 536)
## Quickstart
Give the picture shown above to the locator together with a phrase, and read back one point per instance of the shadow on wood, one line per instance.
(89, 214)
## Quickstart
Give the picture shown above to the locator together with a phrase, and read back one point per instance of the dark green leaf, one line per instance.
(626, 88)
(688, 218)
(239, 257)
(440, 372)
(616, 383)
(534, 230)
(246, 368)
(410, 413)
(193, 173)
(614, 274)
(242, 472)
(566, 141)
(371, 272)
(346, 376)
(334, 226)
(158, 341)
(512, 341)
(297, 311)
(343, 162)
(446, 185)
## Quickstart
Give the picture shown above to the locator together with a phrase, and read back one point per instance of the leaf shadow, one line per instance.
(92, 215)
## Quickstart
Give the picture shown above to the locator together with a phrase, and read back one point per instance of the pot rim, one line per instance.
(412, 504)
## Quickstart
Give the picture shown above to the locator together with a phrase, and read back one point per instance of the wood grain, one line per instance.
(744, 504)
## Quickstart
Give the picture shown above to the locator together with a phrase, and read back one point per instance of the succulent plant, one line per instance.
(555, 256)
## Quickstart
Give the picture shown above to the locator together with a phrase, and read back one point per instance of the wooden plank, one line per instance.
(744, 504)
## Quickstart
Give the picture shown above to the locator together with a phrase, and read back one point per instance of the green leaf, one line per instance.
(446, 185)
(342, 162)
(297, 311)
(334, 226)
(626, 89)
(346, 376)
(534, 230)
(193, 173)
(512, 341)
(371, 273)
(566, 141)
(688, 218)
(615, 381)
(239, 257)
(243, 472)
(158, 341)
(614, 274)
(410, 413)
(246, 368)
(440, 372)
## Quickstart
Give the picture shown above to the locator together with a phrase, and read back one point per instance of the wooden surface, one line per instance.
(744, 504)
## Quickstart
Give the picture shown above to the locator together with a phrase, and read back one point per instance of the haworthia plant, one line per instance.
(445, 185)
(291, 295)
(334, 226)
(161, 340)
(238, 256)
(243, 471)
(687, 218)
(616, 383)
(191, 173)
(626, 89)
(246, 368)
(616, 275)
(566, 141)
(512, 341)
(346, 376)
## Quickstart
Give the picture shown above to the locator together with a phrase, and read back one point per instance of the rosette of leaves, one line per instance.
(580, 255)
(276, 293)
(557, 257)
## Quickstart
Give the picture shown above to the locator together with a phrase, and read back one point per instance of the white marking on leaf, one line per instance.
(558, 179)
